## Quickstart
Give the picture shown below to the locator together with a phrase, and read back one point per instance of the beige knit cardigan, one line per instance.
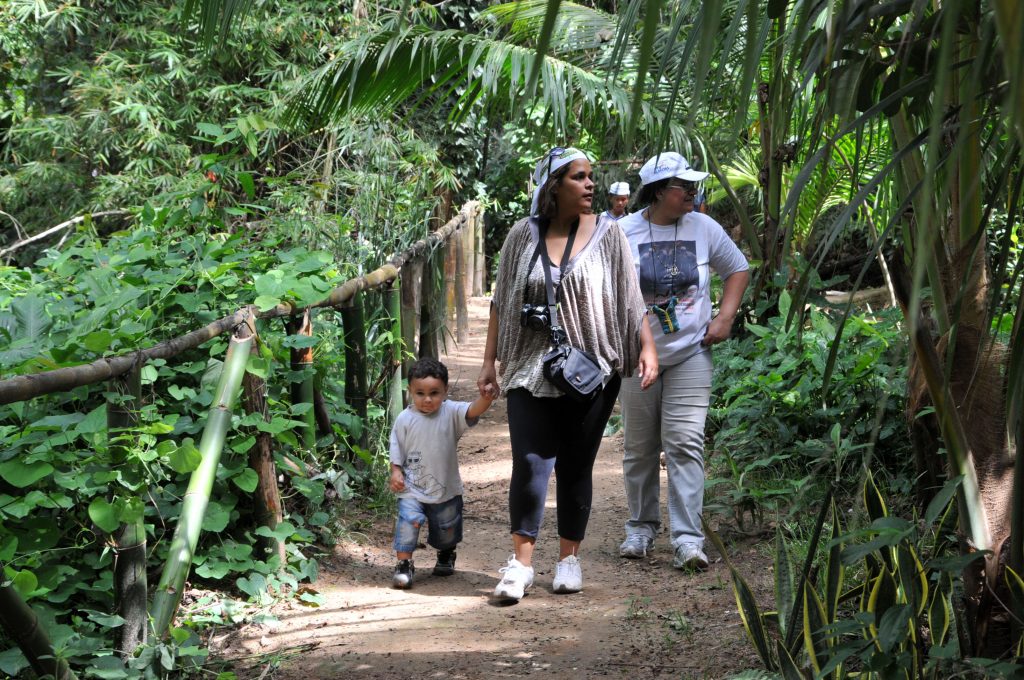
(600, 306)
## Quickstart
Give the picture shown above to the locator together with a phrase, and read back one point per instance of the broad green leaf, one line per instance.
(941, 500)
(216, 517)
(24, 581)
(21, 474)
(97, 341)
(107, 668)
(103, 514)
(246, 480)
(210, 129)
(266, 302)
(788, 667)
(186, 458)
(750, 614)
(8, 547)
(103, 619)
(13, 662)
(245, 179)
(95, 421)
(894, 627)
(258, 366)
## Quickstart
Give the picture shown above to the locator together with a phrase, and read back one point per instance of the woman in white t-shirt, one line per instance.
(675, 249)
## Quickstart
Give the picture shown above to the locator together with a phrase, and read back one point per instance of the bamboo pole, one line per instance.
(197, 496)
(129, 541)
(25, 387)
(267, 506)
(21, 625)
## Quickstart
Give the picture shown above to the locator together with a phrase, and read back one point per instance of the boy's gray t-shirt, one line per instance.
(425, 447)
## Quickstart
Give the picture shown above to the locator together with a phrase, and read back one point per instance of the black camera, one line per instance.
(535, 317)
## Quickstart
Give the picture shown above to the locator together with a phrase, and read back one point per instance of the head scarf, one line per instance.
(554, 160)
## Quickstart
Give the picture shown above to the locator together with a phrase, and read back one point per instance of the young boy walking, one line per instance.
(425, 468)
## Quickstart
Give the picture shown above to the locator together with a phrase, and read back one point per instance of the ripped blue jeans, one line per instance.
(444, 524)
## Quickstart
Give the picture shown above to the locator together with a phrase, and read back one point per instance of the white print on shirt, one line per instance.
(415, 480)
(662, 276)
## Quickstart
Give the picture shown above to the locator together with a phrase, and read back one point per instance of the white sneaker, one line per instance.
(690, 558)
(568, 576)
(636, 546)
(516, 578)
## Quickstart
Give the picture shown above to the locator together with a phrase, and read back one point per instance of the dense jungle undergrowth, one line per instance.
(163, 166)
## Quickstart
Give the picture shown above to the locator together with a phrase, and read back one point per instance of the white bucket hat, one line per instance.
(619, 189)
(551, 162)
(669, 164)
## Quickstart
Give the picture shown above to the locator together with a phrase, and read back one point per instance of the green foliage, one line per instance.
(896, 619)
(772, 426)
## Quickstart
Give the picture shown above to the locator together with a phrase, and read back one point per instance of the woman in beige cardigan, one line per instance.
(602, 312)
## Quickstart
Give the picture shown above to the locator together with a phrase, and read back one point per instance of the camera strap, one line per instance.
(558, 335)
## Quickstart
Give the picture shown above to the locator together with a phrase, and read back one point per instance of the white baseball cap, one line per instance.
(669, 164)
(619, 189)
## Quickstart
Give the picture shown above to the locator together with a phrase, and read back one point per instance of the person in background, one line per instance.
(602, 312)
(618, 200)
(675, 250)
(425, 468)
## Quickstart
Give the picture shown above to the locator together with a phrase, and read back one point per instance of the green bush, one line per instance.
(777, 432)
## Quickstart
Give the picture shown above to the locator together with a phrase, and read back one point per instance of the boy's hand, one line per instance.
(397, 482)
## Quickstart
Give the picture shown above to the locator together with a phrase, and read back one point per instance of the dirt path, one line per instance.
(638, 618)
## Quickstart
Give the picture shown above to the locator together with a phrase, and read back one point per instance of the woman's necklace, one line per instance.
(673, 268)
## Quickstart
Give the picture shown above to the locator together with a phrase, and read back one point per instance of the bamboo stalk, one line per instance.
(21, 624)
(197, 496)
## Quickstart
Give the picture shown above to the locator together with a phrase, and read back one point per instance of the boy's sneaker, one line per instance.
(690, 557)
(568, 576)
(445, 565)
(636, 546)
(516, 578)
(404, 571)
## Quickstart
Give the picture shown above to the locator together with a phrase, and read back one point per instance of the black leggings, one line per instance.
(561, 434)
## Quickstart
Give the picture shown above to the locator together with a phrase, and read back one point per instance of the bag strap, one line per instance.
(558, 335)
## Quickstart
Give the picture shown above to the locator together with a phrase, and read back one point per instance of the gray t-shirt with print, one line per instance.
(425, 446)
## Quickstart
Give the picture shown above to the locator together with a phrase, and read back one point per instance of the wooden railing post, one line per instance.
(129, 540)
(302, 390)
(355, 363)
(393, 303)
(479, 259)
(266, 500)
(461, 309)
(410, 289)
(431, 312)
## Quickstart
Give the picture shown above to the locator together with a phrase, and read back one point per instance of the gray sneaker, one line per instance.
(690, 558)
(636, 546)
